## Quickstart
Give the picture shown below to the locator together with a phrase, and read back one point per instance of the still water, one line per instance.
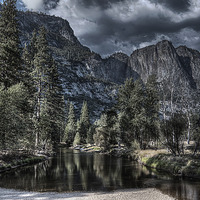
(74, 171)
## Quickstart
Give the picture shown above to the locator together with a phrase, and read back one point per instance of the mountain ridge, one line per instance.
(88, 76)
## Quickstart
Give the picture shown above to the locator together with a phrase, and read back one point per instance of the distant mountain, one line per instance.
(86, 75)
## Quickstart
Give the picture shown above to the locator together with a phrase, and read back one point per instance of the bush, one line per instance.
(135, 145)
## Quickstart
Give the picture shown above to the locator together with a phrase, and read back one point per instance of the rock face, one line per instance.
(190, 60)
(59, 30)
(86, 76)
(177, 70)
(162, 60)
(115, 68)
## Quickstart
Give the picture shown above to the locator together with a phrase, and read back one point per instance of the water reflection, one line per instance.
(74, 171)
(182, 190)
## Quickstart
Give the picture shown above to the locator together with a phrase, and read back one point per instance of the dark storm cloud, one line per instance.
(193, 23)
(103, 4)
(143, 29)
(175, 5)
(111, 25)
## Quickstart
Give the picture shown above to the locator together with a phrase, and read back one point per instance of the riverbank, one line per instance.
(136, 194)
(114, 151)
(185, 166)
(161, 160)
(14, 159)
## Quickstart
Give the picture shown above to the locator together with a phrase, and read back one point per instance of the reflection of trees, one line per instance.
(69, 171)
(181, 190)
(107, 171)
(74, 171)
(77, 171)
(27, 178)
(83, 165)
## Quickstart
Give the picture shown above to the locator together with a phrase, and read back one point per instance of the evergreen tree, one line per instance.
(49, 101)
(152, 109)
(27, 73)
(32, 47)
(131, 104)
(27, 69)
(70, 129)
(67, 107)
(107, 130)
(122, 124)
(90, 135)
(41, 62)
(111, 123)
(10, 53)
(84, 114)
(29, 53)
(55, 104)
(101, 137)
(85, 122)
(139, 116)
(77, 139)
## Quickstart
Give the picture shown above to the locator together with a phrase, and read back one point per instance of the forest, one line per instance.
(35, 116)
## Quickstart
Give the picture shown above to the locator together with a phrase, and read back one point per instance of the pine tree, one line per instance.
(67, 107)
(125, 108)
(90, 135)
(70, 129)
(40, 75)
(107, 131)
(152, 108)
(55, 104)
(77, 139)
(131, 106)
(85, 114)
(10, 52)
(101, 136)
(85, 121)
(139, 116)
(28, 56)
(49, 101)
(27, 73)
(32, 47)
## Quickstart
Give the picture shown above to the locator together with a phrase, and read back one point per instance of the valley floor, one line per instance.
(132, 194)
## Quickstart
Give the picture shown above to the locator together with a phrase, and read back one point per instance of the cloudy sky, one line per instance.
(107, 26)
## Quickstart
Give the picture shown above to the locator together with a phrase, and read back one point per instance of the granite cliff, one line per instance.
(86, 75)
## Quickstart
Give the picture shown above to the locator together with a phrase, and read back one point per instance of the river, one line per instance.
(71, 170)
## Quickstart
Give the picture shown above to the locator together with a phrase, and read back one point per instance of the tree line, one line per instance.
(31, 97)
(33, 113)
(136, 121)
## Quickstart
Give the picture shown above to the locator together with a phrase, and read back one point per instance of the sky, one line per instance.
(107, 26)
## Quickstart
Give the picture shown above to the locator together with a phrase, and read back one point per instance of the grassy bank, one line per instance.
(14, 159)
(186, 166)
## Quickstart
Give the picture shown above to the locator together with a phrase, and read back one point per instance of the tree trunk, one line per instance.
(37, 134)
(189, 128)
(196, 146)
